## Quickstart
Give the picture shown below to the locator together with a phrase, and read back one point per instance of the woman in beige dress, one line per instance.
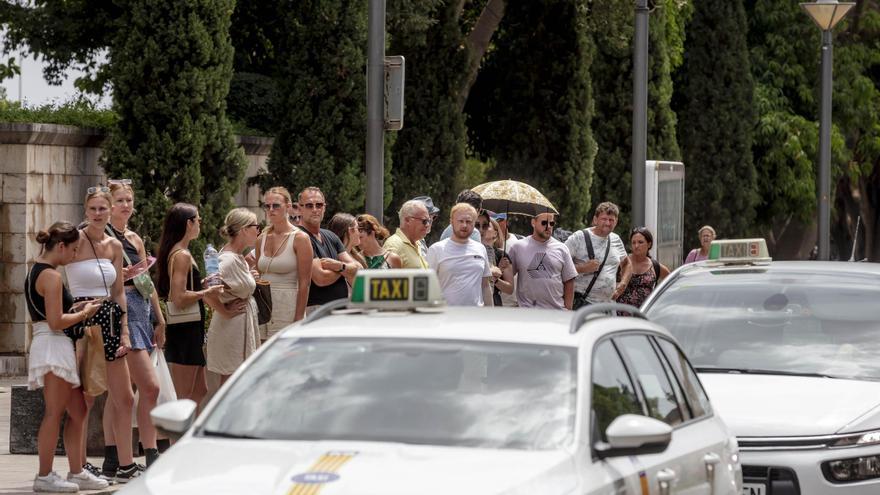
(284, 259)
(234, 335)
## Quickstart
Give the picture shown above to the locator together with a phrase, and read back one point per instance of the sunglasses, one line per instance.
(120, 182)
(272, 206)
(545, 223)
(313, 206)
(295, 218)
(94, 189)
(481, 226)
(195, 219)
(425, 221)
(255, 225)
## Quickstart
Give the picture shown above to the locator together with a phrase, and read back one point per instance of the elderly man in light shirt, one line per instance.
(415, 223)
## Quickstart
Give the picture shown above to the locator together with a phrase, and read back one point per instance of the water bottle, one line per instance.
(212, 266)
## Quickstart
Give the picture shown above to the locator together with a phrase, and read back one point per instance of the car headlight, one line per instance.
(859, 439)
(854, 469)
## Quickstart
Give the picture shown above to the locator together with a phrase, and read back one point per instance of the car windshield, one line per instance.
(764, 321)
(419, 391)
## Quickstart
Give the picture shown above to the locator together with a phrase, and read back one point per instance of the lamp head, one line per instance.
(827, 13)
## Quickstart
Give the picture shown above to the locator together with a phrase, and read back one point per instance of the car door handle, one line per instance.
(711, 460)
(665, 477)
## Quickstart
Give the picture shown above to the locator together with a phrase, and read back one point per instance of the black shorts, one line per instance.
(184, 343)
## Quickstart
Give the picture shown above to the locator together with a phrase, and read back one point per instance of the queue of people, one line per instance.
(112, 306)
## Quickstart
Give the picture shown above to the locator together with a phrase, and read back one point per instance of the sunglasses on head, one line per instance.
(94, 189)
(120, 182)
(272, 206)
(551, 223)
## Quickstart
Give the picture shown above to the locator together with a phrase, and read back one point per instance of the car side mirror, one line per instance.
(174, 418)
(633, 434)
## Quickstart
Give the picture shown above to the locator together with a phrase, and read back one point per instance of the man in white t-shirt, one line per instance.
(544, 269)
(601, 236)
(461, 263)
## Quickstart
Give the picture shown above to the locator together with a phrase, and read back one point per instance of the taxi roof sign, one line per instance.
(739, 251)
(397, 289)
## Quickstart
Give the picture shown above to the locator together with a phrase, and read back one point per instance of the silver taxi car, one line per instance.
(790, 355)
(394, 393)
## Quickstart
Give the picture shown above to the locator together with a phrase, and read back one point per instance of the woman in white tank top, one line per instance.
(284, 258)
(97, 272)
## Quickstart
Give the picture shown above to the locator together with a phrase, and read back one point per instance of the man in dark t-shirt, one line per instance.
(332, 265)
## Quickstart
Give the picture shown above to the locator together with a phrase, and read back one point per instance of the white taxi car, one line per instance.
(394, 393)
(790, 355)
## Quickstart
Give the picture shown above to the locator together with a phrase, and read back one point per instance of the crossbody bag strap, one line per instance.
(601, 265)
(656, 271)
(588, 240)
(277, 250)
(171, 271)
(104, 279)
(124, 254)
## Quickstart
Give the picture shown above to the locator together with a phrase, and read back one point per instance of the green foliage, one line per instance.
(254, 103)
(66, 34)
(716, 121)
(472, 173)
(430, 148)
(612, 26)
(171, 72)
(530, 109)
(79, 113)
(321, 138)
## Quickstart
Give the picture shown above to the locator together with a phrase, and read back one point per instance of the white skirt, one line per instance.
(51, 352)
(283, 311)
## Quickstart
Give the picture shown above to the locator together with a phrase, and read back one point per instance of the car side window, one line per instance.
(652, 379)
(694, 392)
(613, 390)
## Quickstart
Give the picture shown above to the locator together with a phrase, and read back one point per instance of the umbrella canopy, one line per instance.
(514, 197)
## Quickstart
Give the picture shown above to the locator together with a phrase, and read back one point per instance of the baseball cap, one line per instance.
(429, 204)
(499, 216)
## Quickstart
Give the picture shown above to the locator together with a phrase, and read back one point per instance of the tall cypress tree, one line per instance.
(170, 69)
(429, 150)
(531, 106)
(611, 26)
(322, 79)
(716, 121)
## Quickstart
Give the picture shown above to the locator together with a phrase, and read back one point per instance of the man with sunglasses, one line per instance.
(598, 262)
(415, 223)
(543, 266)
(332, 265)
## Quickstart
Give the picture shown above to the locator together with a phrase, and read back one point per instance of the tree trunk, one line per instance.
(477, 43)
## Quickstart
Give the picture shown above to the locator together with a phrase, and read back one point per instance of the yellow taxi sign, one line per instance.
(739, 251)
(401, 289)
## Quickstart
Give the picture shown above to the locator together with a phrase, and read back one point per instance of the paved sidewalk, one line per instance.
(17, 471)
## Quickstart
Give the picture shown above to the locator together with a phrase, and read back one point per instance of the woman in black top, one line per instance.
(180, 282)
(52, 360)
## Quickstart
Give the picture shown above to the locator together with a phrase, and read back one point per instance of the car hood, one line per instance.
(777, 406)
(221, 466)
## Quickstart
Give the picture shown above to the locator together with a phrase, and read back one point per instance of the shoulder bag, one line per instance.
(176, 314)
(142, 282)
(580, 298)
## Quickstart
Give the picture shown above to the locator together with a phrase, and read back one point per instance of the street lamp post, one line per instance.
(376, 109)
(640, 112)
(826, 14)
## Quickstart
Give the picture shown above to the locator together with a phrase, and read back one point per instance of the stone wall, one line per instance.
(45, 170)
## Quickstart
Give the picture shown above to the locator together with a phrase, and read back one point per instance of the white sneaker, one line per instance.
(53, 483)
(87, 481)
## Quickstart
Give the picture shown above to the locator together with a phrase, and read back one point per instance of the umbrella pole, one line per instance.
(507, 217)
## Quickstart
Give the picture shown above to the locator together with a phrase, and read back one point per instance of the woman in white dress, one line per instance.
(233, 334)
(284, 259)
(52, 360)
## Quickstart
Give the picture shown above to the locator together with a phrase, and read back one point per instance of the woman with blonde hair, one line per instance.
(146, 326)
(96, 272)
(372, 234)
(284, 259)
(234, 335)
(52, 360)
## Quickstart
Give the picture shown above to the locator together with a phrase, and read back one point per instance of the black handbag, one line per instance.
(263, 297)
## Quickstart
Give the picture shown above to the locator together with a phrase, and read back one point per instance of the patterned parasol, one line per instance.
(513, 197)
